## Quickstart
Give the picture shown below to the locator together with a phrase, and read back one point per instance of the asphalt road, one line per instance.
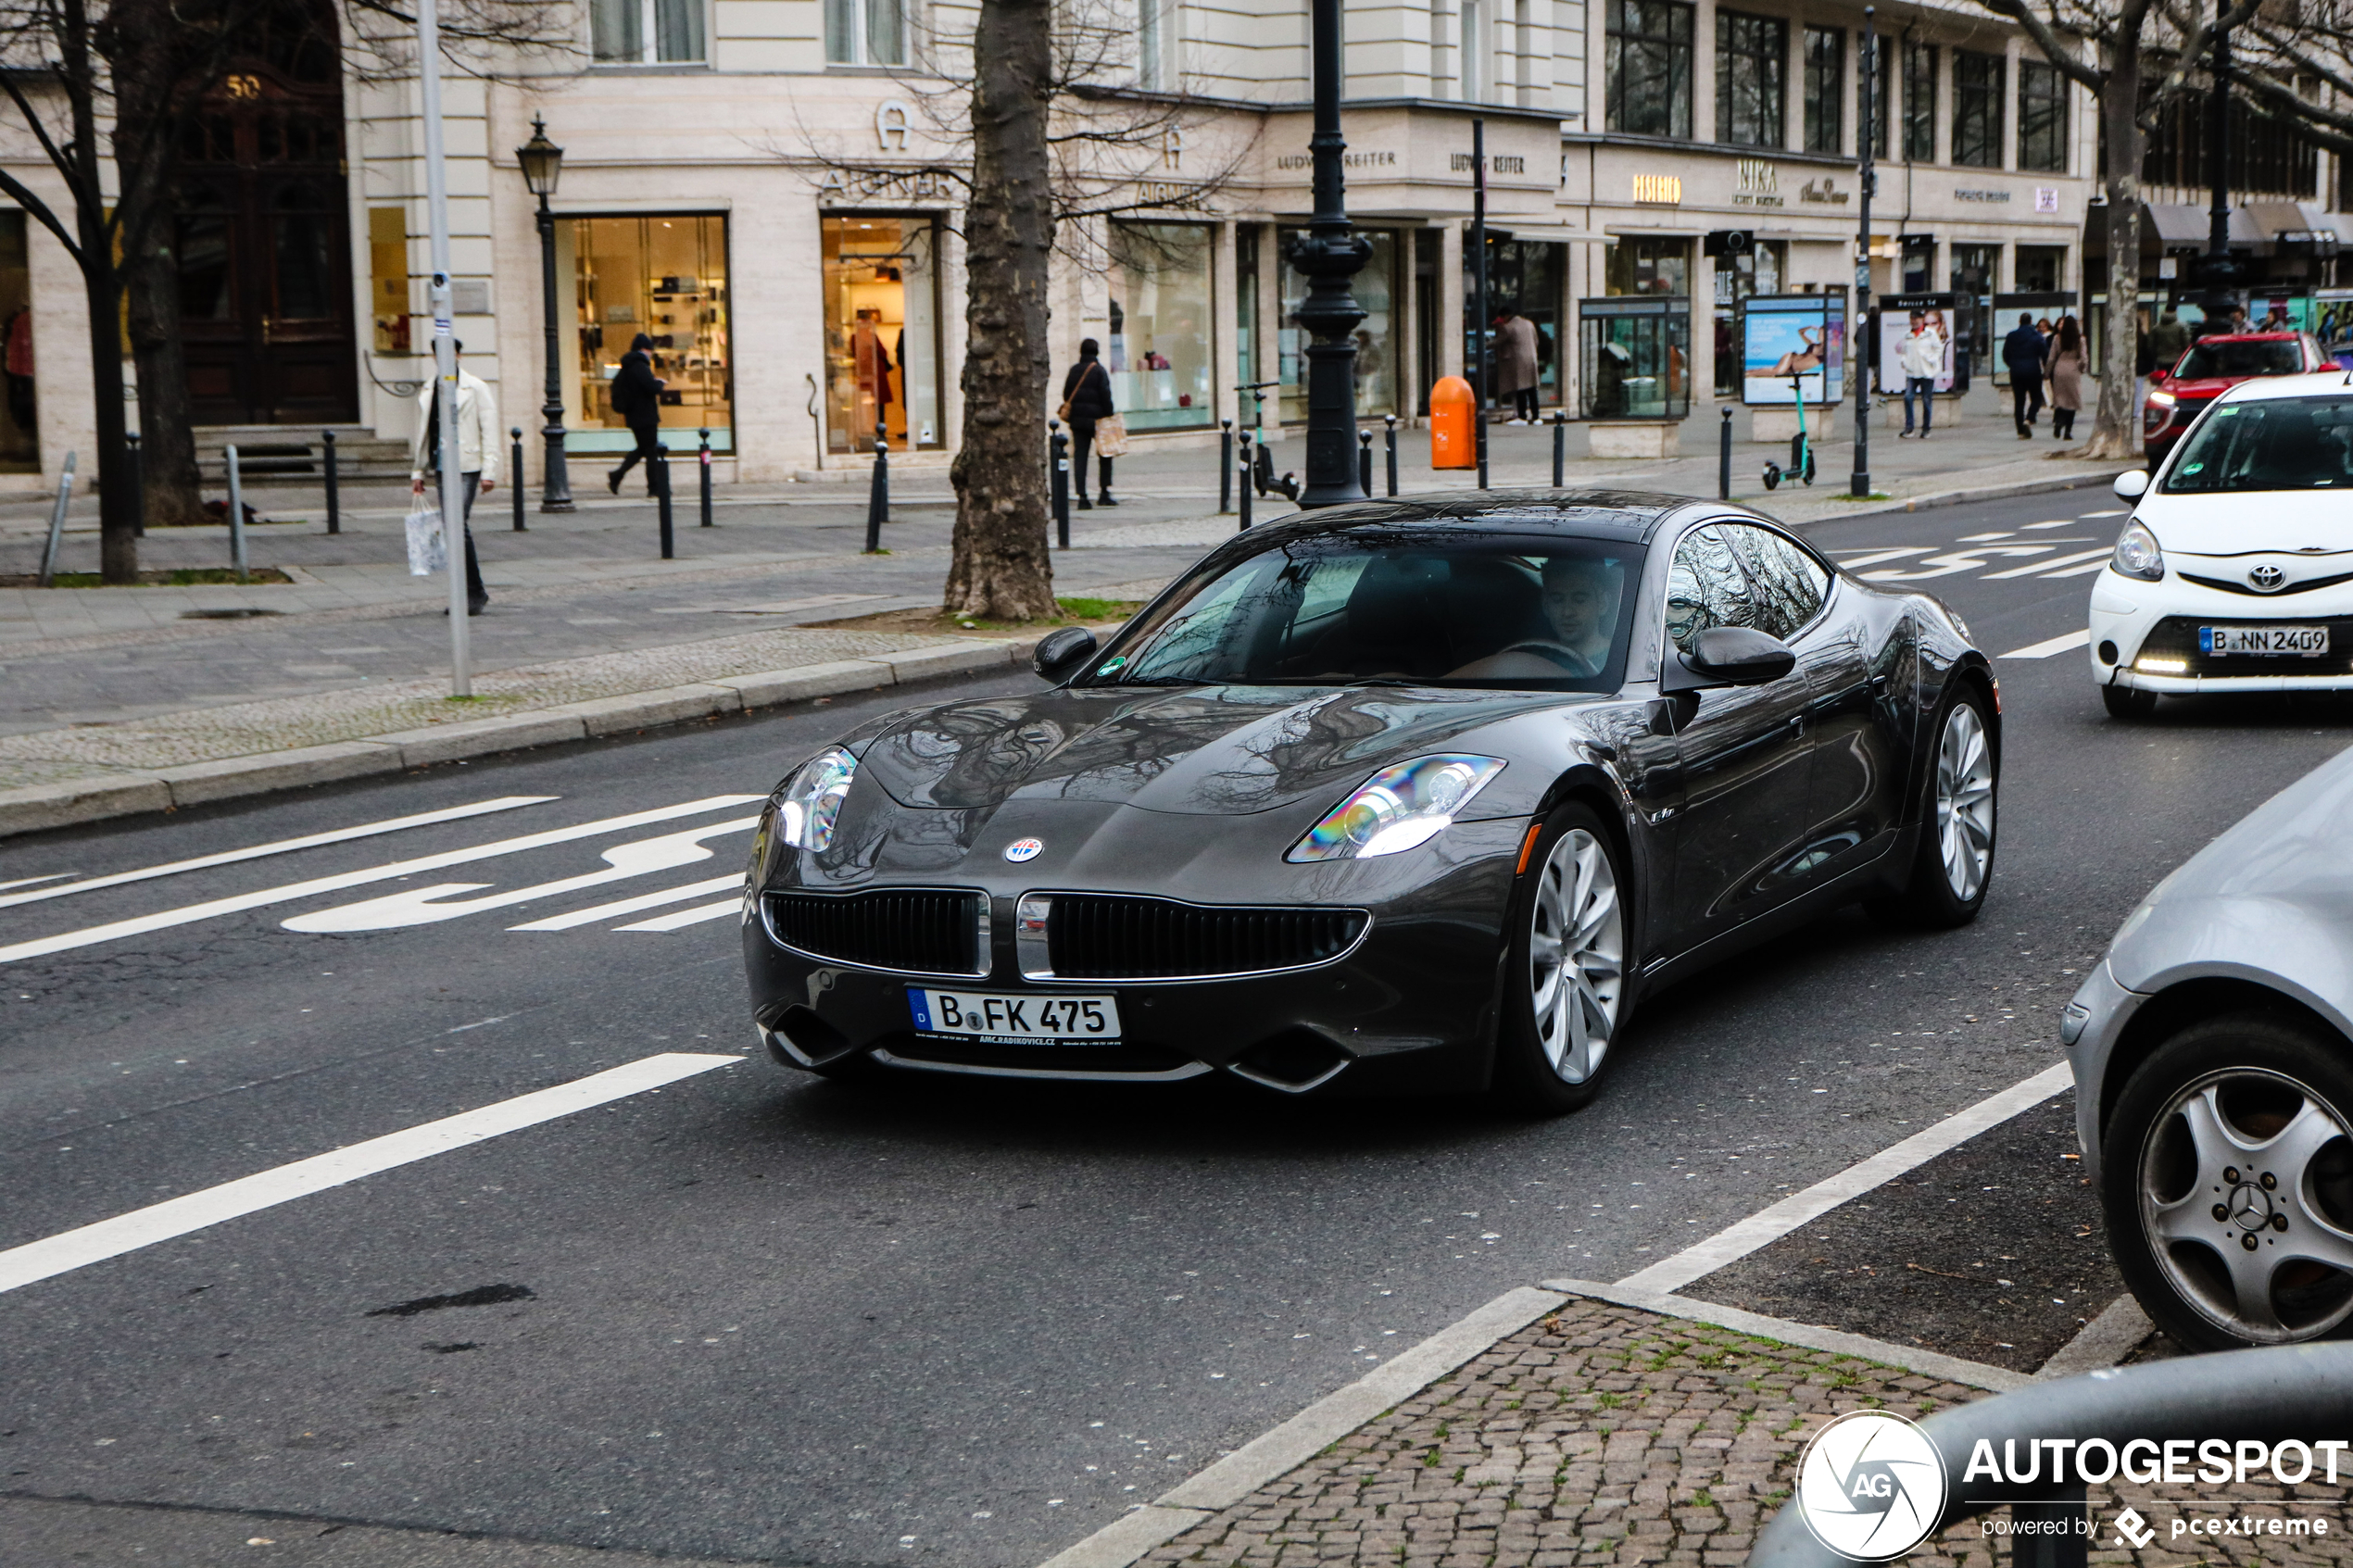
(751, 1315)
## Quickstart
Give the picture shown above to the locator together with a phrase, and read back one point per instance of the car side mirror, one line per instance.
(1063, 652)
(1730, 656)
(2132, 485)
(2158, 374)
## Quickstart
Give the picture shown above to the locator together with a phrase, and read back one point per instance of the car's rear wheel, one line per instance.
(1564, 1002)
(2228, 1184)
(2123, 702)
(1954, 864)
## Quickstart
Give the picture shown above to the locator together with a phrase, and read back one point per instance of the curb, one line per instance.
(72, 801)
(1937, 499)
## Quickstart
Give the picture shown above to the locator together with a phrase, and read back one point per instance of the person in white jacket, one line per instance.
(477, 458)
(1922, 358)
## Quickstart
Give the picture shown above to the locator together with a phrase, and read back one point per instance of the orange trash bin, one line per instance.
(1453, 435)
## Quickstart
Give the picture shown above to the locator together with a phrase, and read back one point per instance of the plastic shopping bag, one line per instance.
(428, 550)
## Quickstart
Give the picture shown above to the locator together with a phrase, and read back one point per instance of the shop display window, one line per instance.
(882, 331)
(1636, 355)
(1757, 270)
(1376, 292)
(1525, 277)
(1162, 372)
(664, 276)
(1647, 266)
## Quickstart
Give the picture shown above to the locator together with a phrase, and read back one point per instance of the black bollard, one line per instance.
(139, 488)
(514, 476)
(1392, 451)
(335, 487)
(661, 501)
(1224, 465)
(1058, 478)
(1247, 486)
(1724, 457)
(1560, 447)
(878, 497)
(1364, 461)
(705, 456)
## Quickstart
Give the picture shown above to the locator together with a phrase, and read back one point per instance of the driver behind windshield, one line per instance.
(1579, 606)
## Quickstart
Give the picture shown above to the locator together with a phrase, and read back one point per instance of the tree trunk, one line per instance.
(118, 517)
(1001, 565)
(2116, 429)
(167, 440)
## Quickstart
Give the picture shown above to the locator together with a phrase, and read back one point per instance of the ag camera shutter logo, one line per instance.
(1871, 1486)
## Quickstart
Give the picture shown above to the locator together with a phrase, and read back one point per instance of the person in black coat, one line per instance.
(637, 398)
(1087, 393)
(2022, 353)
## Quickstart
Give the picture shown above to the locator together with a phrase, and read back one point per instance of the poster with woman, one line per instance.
(1793, 343)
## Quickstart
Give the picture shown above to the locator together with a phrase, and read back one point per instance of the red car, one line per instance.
(2211, 367)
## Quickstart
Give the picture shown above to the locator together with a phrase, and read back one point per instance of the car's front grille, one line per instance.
(2175, 640)
(2241, 585)
(1098, 936)
(918, 931)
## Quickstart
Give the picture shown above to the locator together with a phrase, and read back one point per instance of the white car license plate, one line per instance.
(974, 1015)
(2307, 641)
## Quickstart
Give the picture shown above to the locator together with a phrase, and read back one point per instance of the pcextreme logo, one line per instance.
(1871, 1486)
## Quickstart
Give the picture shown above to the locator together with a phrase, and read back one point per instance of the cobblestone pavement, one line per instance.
(1602, 1434)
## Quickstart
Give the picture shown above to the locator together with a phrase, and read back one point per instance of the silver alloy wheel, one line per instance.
(1965, 802)
(1576, 956)
(2246, 1232)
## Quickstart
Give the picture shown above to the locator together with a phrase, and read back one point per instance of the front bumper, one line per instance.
(2094, 1018)
(2135, 625)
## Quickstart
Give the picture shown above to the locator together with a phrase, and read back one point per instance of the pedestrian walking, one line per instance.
(1516, 367)
(1921, 356)
(2022, 354)
(1086, 403)
(2168, 340)
(637, 398)
(478, 437)
(2064, 366)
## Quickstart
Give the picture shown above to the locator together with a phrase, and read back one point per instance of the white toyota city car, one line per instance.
(2234, 573)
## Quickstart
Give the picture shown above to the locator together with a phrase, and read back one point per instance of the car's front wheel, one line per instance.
(1564, 999)
(2228, 1184)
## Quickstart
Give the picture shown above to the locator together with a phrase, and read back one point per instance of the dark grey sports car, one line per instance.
(1409, 796)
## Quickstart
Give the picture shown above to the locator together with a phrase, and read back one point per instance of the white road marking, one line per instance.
(1767, 1225)
(282, 846)
(2086, 570)
(2118, 511)
(163, 919)
(684, 918)
(1873, 558)
(2064, 523)
(428, 906)
(2045, 566)
(1955, 561)
(1986, 539)
(619, 907)
(30, 881)
(2056, 645)
(68, 1250)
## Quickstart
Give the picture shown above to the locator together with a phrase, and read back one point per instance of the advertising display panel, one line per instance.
(1791, 342)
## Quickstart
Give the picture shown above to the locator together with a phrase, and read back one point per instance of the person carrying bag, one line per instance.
(1094, 421)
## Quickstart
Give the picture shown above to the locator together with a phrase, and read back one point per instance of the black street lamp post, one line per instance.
(1859, 362)
(542, 162)
(2217, 272)
(1328, 254)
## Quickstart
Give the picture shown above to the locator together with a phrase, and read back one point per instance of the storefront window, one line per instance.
(882, 331)
(1825, 89)
(1647, 266)
(1524, 277)
(1972, 286)
(1376, 292)
(1752, 62)
(1978, 84)
(388, 277)
(1649, 65)
(1636, 356)
(665, 277)
(1920, 102)
(19, 423)
(1739, 278)
(2042, 118)
(1159, 353)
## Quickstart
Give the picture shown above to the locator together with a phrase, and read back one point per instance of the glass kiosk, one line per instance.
(1635, 355)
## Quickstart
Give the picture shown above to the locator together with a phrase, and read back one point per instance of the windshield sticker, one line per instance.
(1108, 668)
(2192, 467)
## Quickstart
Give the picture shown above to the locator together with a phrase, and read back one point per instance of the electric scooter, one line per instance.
(1801, 451)
(1262, 463)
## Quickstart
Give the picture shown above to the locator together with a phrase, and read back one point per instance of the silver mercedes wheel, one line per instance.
(1576, 956)
(2244, 1181)
(1965, 802)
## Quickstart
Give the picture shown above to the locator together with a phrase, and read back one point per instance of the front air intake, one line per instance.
(1098, 936)
(913, 931)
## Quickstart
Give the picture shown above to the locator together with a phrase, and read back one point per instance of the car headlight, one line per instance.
(806, 804)
(2137, 554)
(1397, 809)
(2160, 400)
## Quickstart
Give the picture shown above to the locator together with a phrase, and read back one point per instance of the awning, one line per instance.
(2174, 226)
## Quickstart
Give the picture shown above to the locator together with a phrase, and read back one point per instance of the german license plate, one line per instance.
(974, 1015)
(2308, 642)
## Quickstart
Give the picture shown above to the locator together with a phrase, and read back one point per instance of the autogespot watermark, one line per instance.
(1871, 1486)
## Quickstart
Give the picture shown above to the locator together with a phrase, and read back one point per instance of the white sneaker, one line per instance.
(1514, 422)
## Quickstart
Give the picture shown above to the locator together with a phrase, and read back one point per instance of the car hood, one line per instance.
(2209, 386)
(2254, 522)
(1206, 750)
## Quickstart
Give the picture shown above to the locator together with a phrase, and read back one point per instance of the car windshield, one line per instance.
(1496, 611)
(2271, 444)
(2279, 357)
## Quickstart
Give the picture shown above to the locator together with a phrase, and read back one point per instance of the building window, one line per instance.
(1156, 44)
(1920, 102)
(1162, 376)
(646, 32)
(866, 32)
(1978, 81)
(1472, 53)
(1375, 291)
(882, 329)
(1752, 65)
(1882, 89)
(1526, 276)
(1825, 89)
(1647, 266)
(1649, 61)
(665, 276)
(19, 416)
(2042, 118)
(2037, 268)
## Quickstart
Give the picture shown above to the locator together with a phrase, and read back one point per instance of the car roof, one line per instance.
(2312, 383)
(1632, 516)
